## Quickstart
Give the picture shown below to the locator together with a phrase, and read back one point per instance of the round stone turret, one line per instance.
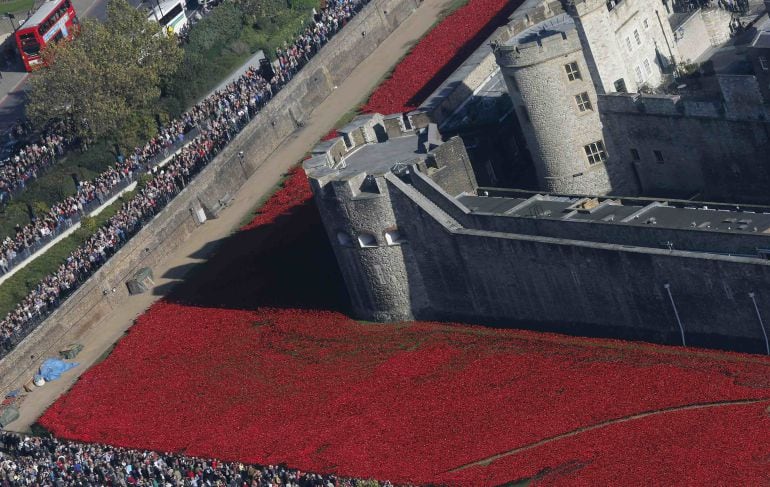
(555, 100)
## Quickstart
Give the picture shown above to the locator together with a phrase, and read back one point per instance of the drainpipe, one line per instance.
(761, 323)
(668, 44)
(676, 313)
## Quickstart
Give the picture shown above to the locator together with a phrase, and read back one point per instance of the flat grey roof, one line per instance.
(379, 158)
(697, 216)
(558, 24)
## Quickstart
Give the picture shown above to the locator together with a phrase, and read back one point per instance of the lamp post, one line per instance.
(10, 18)
(761, 323)
(667, 286)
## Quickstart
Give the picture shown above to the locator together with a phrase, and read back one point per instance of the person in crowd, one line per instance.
(198, 134)
(48, 461)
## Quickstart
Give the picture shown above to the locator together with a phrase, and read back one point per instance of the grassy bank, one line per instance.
(219, 44)
(20, 284)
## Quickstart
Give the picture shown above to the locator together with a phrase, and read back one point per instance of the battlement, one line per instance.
(350, 166)
(539, 43)
(735, 102)
(583, 7)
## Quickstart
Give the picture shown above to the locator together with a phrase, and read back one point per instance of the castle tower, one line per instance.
(550, 84)
(628, 44)
(353, 198)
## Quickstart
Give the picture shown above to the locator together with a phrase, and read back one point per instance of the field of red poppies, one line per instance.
(230, 366)
(254, 359)
(439, 54)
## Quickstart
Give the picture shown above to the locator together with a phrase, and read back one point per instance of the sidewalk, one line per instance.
(13, 77)
(203, 242)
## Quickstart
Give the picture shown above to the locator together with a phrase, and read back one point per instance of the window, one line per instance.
(346, 141)
(620, 86)
(344, 239)
(595, 152)
(166, 19)
(367, 240)
(393, 237)
(629, 45)
(763, 63)
(573, 73)
(637, 37)
(647, 67)
(638, 72)
(583, 102)
(646, 24)
(658, 156)
(29, 44)
(635, 155)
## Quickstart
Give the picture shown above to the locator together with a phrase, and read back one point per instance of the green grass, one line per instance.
(16, 6)
(56, 184)
(20, 284)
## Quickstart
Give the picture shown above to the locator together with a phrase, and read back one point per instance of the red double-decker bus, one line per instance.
(54, 20)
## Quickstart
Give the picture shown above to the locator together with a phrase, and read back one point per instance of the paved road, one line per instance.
(203, 241)
(14, 77)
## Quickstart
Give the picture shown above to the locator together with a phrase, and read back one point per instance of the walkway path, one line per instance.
(202, 243)
(486, 461)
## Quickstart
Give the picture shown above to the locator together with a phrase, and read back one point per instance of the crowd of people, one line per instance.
(28, 162)
(26, 460)
(204, 130)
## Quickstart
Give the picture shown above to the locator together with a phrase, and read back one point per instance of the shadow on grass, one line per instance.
(286, 263)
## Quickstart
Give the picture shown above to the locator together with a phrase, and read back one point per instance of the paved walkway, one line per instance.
(201, 243)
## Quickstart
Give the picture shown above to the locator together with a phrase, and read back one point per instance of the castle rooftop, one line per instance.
(560, 24)
(379, 158)
(633, 211)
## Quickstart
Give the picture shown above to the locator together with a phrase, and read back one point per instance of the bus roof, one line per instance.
(165, 7)
(42, 13)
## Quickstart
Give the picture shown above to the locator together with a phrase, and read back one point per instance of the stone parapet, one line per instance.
(551, 45)
(220, 179)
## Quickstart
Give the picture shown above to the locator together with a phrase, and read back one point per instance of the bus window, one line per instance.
(166, 19)
(29, 44)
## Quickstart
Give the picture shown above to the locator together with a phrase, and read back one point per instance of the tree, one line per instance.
(107, 81)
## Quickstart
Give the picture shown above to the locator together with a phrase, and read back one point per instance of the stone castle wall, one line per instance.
(567, 285)
(218, 181)
(703, 150)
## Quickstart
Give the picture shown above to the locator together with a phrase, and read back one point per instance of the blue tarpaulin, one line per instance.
(53, 368)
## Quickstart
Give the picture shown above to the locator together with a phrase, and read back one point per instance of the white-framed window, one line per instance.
(344, 239)
(647, 67)
(637, 37)
(573, 72)
(638, 73)
(595, 152)
(763, 63)
(629, 45)
(393, 237)
(583, 102)
(367, 240)
(646, 24)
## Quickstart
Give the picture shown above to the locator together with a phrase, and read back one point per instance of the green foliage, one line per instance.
(204, 54)
(215, 31)
(16, 6)
(144, 179)
(40, 208)
(22, 282)
(89, 224)
(56, 184)
(109, 77)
